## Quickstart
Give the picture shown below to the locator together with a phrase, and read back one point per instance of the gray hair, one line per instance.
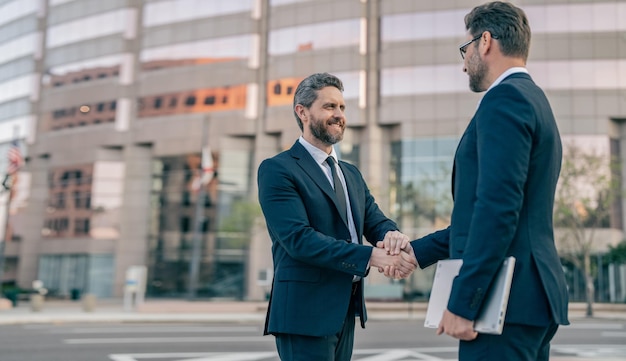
(506, 23)
(306, 92)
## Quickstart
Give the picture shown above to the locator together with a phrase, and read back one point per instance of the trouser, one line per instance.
(517, 343)
(337, 347)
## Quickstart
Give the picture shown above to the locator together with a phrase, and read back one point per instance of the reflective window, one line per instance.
(24, 45)
(175, 195)
(423, 80)
(285, 2)
(560, 18)
(106, 199)
(195, 101)
(59, 2)
(13, 109)
(315, 36)
(172, 11)
(103, 67)
(16, 68)
(420, 181)
(423, 26)
(72, 275)
(88, 28)
(69, 202)
(550, 75)
(18, 28)
(17, 9)
(199, 52)
(79, 115)
(18, 87)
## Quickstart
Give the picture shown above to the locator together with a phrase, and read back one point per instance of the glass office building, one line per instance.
(113, 103)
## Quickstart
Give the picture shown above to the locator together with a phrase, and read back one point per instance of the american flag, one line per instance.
(15, 158)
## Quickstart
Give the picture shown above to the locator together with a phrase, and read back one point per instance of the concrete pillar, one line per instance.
(132, 247)
(34, 213)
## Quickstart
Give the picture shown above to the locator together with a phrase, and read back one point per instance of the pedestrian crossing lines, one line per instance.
(559, 352)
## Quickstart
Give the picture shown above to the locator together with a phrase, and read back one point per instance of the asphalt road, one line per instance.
(381, 341)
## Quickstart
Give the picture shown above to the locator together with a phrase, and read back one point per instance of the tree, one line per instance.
(617, 254)
(588, 187)
(237, 226)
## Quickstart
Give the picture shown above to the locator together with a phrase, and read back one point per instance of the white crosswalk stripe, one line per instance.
(595, 352)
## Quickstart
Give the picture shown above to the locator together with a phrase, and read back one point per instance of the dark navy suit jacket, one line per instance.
(314, 259)
(505, 173)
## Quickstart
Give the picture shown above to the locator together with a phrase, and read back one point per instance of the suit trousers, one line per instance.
(337, 347)
(517, 343)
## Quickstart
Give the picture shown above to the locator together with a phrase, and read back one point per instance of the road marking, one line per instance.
(190, 329)
(395, 355)
(195, 356)
(614, 334)
(170, 340)
(593, 326)
(596, 352)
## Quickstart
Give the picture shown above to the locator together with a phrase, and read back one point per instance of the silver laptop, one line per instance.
(491, 317)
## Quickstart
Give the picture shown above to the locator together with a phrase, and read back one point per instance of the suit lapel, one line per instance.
(306, 162)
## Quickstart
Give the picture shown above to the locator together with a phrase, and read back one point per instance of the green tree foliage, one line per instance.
(617, 254)
(237, 226)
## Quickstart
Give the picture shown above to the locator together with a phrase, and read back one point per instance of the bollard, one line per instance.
(36, 302)
(89, 302)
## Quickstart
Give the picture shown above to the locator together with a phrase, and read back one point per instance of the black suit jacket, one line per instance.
(314, 259)
(506, 168)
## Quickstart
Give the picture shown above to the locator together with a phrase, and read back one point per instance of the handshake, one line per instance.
(394, 256)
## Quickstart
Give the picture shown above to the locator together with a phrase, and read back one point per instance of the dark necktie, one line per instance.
(339, 192)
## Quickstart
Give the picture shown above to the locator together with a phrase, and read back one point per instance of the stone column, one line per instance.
(132, 247)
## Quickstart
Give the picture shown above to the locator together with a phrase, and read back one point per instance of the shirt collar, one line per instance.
(317, 154)
(509, 71)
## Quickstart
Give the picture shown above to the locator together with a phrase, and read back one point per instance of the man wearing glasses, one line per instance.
(504, 178)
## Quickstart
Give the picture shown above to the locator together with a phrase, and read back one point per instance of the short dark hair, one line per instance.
(506, 22)
(306, 92)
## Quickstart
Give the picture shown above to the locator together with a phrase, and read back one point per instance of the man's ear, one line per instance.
(301, 111)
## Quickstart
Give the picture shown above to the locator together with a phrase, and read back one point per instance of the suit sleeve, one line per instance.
(505, 123)
(431, 248)
(287, 220)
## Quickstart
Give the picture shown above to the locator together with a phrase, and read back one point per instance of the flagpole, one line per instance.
(196, 250)
(6, 228)
(7, 187)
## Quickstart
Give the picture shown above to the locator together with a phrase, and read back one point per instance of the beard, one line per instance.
(319, 129)
(477, 71)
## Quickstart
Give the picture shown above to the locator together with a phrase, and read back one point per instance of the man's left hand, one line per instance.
(457, 327)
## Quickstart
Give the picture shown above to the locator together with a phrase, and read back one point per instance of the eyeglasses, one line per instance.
(463, 48)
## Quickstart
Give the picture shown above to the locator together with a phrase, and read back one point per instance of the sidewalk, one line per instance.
(55, 311)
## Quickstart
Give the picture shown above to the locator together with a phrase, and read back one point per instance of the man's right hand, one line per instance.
(394, 266)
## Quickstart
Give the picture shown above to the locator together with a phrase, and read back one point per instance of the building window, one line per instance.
(210, 100)
(77, 200)
(100, 107)
(113, 105)
(185, 224)
(158, 102)
(81, 226)
(191, 100)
